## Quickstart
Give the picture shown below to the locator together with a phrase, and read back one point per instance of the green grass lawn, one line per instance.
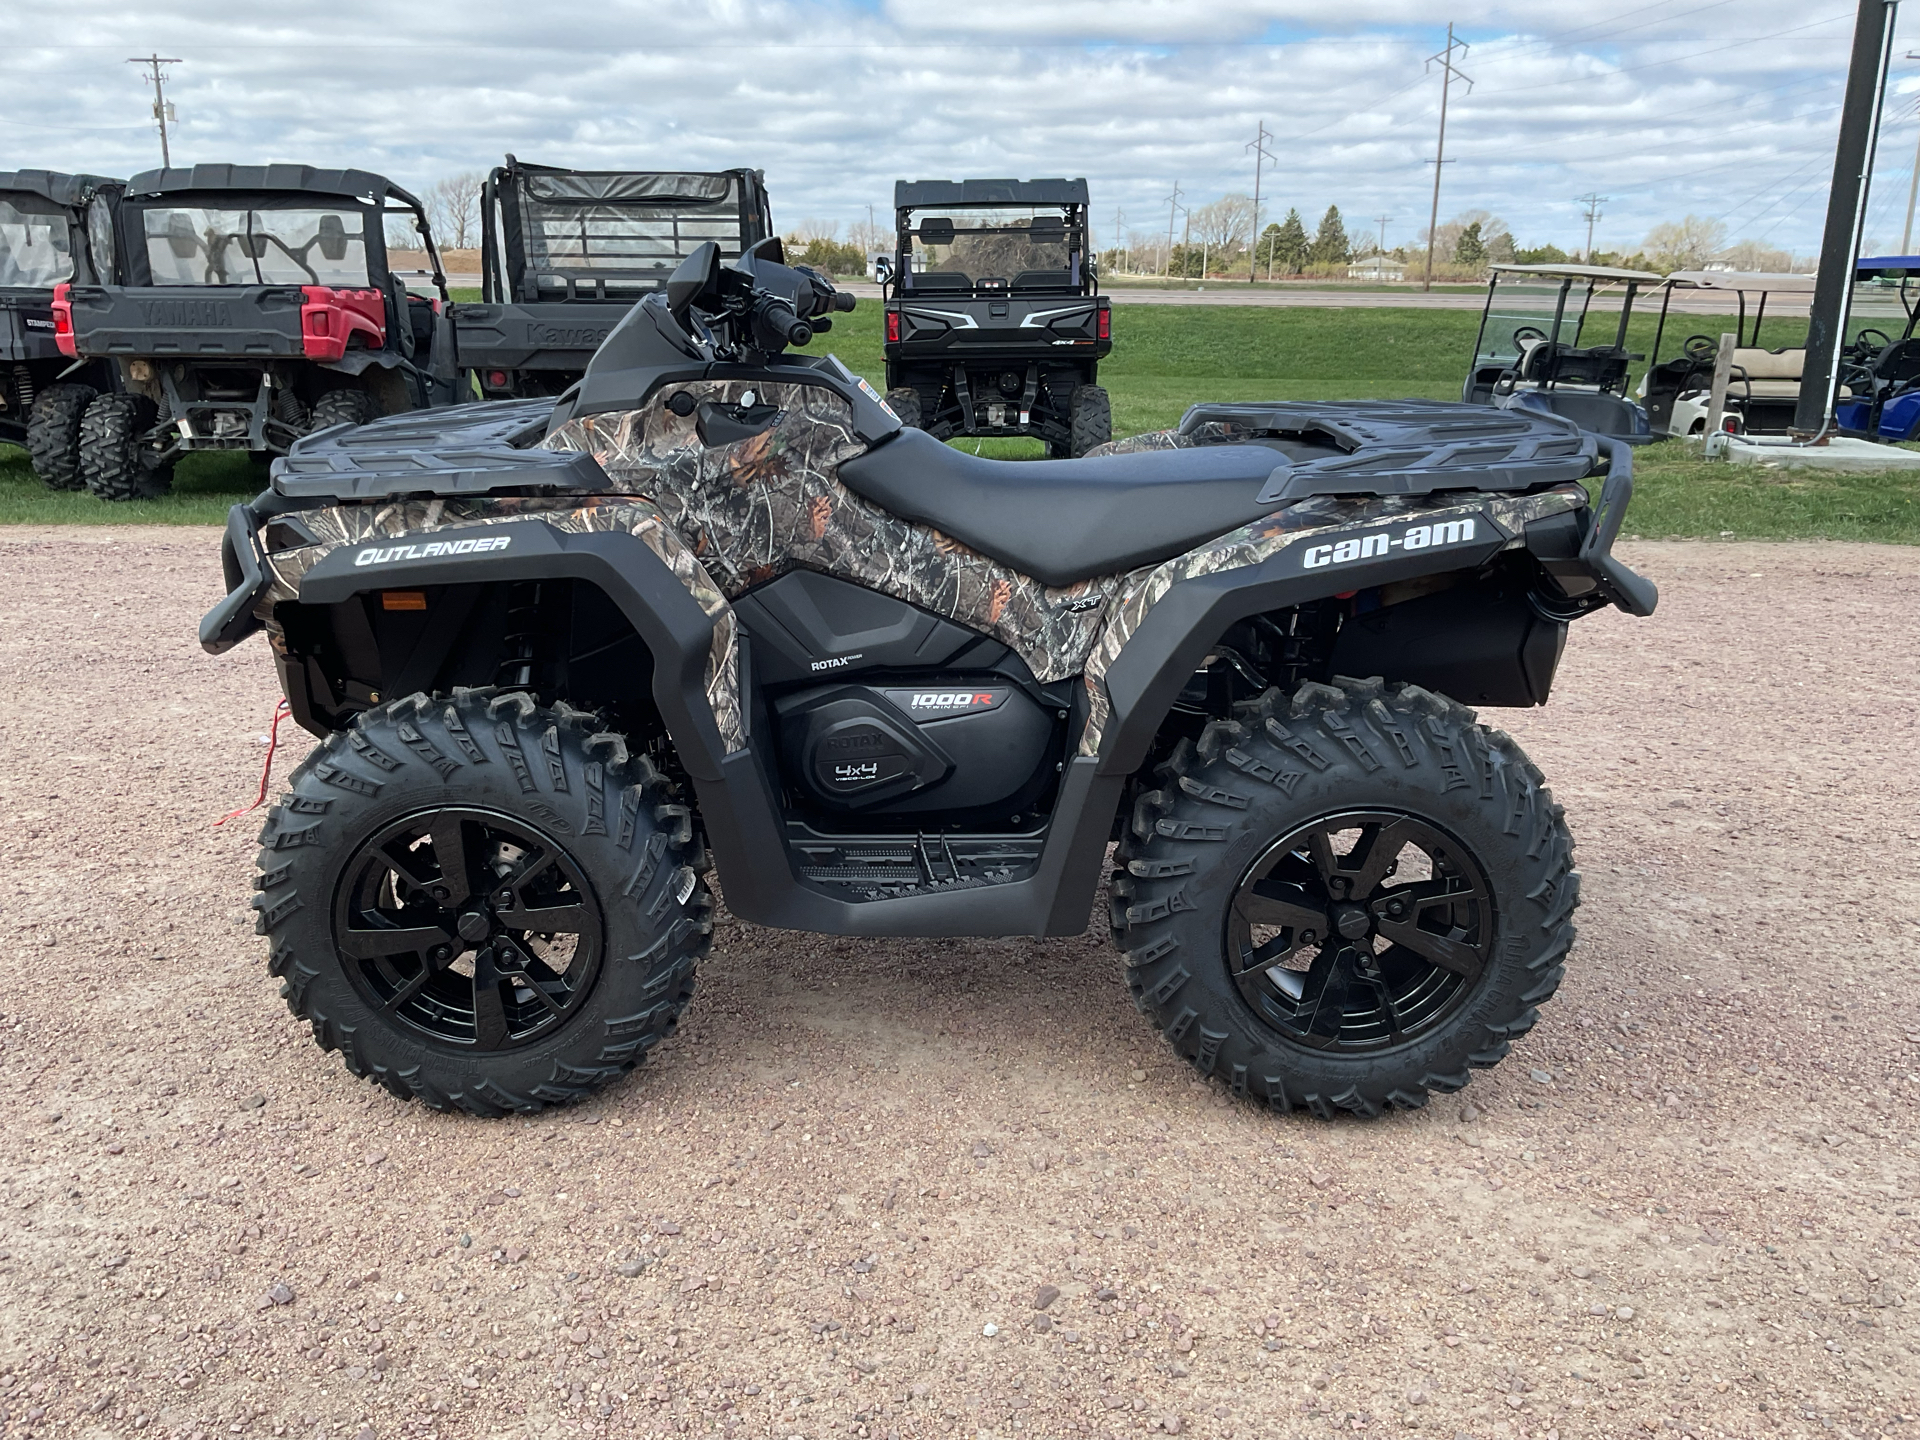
(1168, 357)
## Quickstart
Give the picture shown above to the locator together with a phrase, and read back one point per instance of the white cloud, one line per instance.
(1675, 107)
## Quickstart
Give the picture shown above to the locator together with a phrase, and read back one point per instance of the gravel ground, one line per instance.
(833, 1204)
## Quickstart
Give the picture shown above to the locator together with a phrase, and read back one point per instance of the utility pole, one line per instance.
(1593, 203)
(1173, 204)
(1122, 241)
(1260, 155)
(162, 111)
(1381, 221)
(1846, 216)
(1448, 73)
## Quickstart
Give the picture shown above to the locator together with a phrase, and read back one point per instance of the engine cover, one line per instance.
(911, 749)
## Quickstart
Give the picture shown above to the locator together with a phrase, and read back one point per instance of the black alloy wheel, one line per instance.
(475, 929)
(1360, 931)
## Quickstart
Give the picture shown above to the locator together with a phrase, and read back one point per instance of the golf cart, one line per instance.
(1534, 348)
(1763, 386)
(993, 321)
(1882, 373)
(566, 253)
(248, 306)
(53, 228)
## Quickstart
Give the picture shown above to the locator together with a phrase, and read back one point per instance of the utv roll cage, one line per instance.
(565, 253)
(54, 228)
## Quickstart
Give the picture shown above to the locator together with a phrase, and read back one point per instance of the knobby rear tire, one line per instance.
(1279, 764)
(117, 460)
(53, 434)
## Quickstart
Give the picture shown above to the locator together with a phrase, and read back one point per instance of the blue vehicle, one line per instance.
(1883, 374)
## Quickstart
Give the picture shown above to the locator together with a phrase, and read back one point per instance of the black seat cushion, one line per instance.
(1062, 521)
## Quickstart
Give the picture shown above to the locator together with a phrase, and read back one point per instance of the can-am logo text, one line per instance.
(1381, 542)
(432, 550)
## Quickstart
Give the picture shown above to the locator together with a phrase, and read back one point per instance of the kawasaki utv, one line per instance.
(564, 254)
(994, 325)
(250, 305)
(1535, 346)
(718, 610)
(53, 228)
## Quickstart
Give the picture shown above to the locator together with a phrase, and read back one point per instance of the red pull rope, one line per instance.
(280, 712)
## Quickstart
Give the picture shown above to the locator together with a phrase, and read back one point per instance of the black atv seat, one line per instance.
(1062, 521)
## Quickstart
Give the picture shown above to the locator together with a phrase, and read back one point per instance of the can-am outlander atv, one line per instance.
(249, 305)
(719, 608)
(53, 228)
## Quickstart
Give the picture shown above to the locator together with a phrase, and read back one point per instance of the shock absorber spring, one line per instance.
(518, 646)
(23, 387)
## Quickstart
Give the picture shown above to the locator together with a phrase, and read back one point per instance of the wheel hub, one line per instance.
(475, 926)
(1350, 920)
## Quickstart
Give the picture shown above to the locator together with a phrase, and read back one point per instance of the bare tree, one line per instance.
(1222, 227)
(808, 231)
(1495, 237)
(1685, 244)
(1757, 255)
(453, 207)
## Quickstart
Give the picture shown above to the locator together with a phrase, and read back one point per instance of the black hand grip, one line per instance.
(842, 300)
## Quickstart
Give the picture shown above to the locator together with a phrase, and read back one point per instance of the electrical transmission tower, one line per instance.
(1173, 206)
(1449, 72)
(1593, 203)
(1260, 156)
(1122, 241)
(162, 108)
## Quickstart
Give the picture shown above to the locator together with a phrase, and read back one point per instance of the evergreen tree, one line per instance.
(1470, 249)
(1266, 254)
(1291, 247)
(1330, 246)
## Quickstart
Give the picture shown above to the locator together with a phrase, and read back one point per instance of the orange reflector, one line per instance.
(403, 599)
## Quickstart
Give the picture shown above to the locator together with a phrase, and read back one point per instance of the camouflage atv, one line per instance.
(717, 611)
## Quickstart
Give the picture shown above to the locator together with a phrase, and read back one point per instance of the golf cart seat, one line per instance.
(1063, 521)
(1769, 374)
(1542, 361)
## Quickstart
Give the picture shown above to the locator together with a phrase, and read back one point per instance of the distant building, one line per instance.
(1378, 268)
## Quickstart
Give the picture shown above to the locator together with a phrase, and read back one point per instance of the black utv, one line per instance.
(54, 228)
(564, 254)
(717, 611)
(250, 305)
(993, 321)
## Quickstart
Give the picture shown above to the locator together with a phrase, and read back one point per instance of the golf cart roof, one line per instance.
(52, 185)
(930, 194)
(356, 184)
(1772, 282)
(1578, 272)
(1870, 265)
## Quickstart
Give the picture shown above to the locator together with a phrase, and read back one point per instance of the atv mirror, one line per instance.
(696, 275)
(1047, 229)
(767, 249)
(333, 237)
(883, 268)
(254, 247)
(181, 239)
(938, 231)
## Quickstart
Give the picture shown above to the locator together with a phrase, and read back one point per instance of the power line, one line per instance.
(1447, 73)
(162, 111)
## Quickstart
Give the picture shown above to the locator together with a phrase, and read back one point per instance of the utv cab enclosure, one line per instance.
(993, 323)
(566, 253)
(54, 228)
(249, 305)
(1554, 337)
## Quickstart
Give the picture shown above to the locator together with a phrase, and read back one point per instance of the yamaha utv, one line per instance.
(564, 254)
(718, 612)
(53, 228)
(249, 305)
(993, 323)
(1536, 345)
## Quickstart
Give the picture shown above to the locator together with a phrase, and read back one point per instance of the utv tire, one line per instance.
(405, 880)
(117, 461)
(1089, 417)
(53, 434)
(1242, 840)
(904, 401)
(341, 407)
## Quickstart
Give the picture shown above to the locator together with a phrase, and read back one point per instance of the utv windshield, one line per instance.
(1023, 246)
(636, 227)
(204, 245)
(36, 248)
(1523, 313)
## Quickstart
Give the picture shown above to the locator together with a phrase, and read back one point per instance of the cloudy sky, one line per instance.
(1723, 108)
